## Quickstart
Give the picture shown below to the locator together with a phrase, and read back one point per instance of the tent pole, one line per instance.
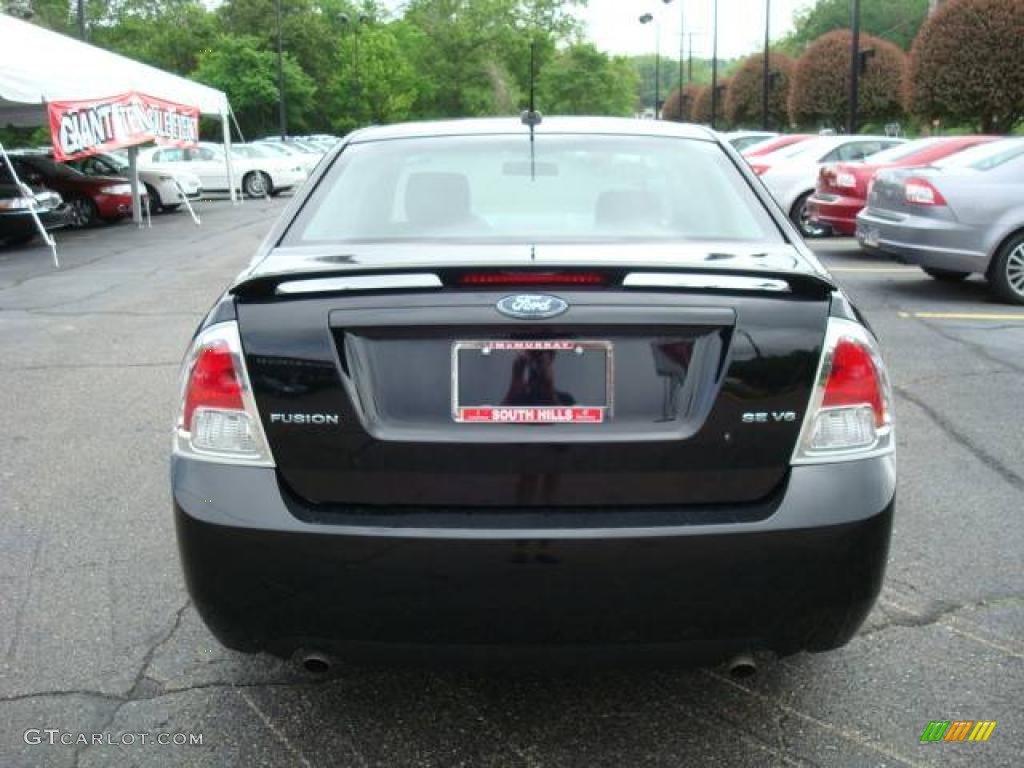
(225, 126)
(32, 208)
(133, 177)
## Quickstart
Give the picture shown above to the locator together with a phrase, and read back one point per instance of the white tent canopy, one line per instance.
(37, 66)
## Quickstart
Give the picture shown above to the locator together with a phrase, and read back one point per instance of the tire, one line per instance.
(83, 212)
(800, 218)
(946, 275)
(1006, 276)
(257, 184)
(170, 208)
(155, 205)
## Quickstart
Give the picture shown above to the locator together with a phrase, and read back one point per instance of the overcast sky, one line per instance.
(613, 24)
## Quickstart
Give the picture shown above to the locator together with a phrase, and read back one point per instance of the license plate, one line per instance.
(531, 382)
(871, 237)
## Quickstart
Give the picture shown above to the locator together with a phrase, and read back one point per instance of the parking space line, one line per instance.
(990, 316)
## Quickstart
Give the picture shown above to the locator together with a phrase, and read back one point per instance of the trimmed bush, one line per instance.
(670, 110)
(820, 92)
(967, 65)
(743, 105)
(701, 110)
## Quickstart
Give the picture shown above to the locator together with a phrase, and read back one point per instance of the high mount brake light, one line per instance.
(850, 411)
(533, 278)
(922, 192)
(218, 420)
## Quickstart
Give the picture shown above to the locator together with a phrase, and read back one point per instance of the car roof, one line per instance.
(549, 125)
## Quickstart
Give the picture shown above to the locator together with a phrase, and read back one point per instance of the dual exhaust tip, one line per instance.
(319, 664)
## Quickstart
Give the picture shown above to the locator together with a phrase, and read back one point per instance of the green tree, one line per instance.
(248, 75)
(894, 20)
(581, 80)
(967, 65)
(820, 93)
(744, 104)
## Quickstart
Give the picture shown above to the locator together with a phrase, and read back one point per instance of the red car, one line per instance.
(842, 189)
(89, 198)
(785, 140)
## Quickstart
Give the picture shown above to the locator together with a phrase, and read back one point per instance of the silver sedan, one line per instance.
(961, 216)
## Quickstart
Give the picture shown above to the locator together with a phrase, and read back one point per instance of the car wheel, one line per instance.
(946, 275)
(83, 212)
(256, 184)
(170, 208)
(155, 206)
(802, 218)
(1007, 274)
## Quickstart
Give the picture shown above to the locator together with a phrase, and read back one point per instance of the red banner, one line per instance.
(83, 128)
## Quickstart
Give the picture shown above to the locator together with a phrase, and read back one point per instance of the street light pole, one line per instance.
(81, 19)
(282, 112)
(851, 127)
(682, 51)
(714, 67)
(766, 82)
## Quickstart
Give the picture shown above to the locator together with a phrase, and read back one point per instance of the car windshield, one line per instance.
(48, 167)
(98, 165)
(575, 189)
(983, 156)
(903, 151)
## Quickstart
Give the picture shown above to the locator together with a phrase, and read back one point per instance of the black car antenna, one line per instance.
(531, 117)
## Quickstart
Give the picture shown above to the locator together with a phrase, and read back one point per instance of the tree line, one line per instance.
(962, 71)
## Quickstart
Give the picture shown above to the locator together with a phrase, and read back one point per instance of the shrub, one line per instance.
(701, 110)
(820, 91)
(967, 65)
(670, 110)
(744, 102)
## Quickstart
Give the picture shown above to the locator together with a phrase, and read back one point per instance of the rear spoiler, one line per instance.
(653, 278)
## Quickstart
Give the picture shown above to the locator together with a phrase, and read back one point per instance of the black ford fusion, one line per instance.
(492, 386)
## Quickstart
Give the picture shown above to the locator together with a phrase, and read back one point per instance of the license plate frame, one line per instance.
(498, 413)
(871, 237)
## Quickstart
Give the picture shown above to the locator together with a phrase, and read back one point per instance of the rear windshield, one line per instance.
(903, 151)
(575, 189)
(984, 156)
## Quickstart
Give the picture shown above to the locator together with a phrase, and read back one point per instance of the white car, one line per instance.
(743, 140)
(167, 190)
(254, 177)
(285, 171)
(307, 160)
(791, 173)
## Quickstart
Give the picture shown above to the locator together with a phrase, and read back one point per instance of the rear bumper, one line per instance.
(113, 206)
(924, 241)
(19, 223)
(803, 578)
(839, 212)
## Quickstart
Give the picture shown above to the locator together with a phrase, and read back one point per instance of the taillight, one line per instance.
(533, 278)
(759, 168)
(922, 192)
(850, 412)
(218, 420)
(846, 180)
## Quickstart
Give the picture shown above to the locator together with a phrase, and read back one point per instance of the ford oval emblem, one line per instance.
(532, 306)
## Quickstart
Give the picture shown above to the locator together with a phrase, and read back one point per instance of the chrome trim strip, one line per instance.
(704, 280)
(360, 283)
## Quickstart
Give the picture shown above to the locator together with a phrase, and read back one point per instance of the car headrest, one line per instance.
(437, 198)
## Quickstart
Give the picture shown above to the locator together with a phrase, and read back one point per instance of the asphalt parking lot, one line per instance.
(97, 634)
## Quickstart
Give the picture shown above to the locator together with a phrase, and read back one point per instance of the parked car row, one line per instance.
(953, 205)
(85, 192)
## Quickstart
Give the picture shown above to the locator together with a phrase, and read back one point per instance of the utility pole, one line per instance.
(282, 112)
(767, 78)
(714, 67)
(851, 127)
(682, 51)
(81, 20)
(689, 59)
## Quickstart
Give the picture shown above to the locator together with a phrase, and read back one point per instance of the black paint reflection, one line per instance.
(533, 381)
